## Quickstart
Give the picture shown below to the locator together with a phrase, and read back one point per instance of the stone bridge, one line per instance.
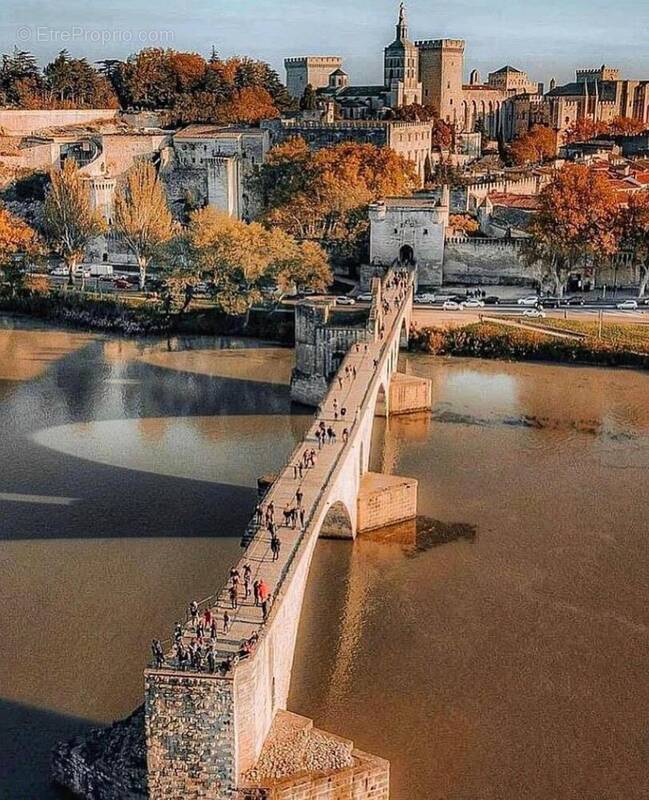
(207, 729)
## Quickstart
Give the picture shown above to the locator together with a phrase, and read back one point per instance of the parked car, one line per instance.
(537, 313)
(551, 302)
(344, 300)
(473, 302)
(628, 305)
(452, 305)
(531, 301)
(365, 297)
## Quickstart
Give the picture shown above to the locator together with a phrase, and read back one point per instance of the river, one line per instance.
(499, 653)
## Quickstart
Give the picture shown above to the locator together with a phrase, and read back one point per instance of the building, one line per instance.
(224, 158)
(412, 140)
(599, 95)
(313, 70)
(411, 230)
(401, 67)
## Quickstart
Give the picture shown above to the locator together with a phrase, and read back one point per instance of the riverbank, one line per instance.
(498, 341)
(109, 315)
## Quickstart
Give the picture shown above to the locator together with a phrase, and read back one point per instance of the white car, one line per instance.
(82, 272)
(344, 300)
(366, 297)
(452, 305)
(530, 301)
(474, 303)
(537, 313)
(59, 272)
(424, 298)
(628, 305)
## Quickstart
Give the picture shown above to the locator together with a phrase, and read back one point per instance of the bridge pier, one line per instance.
(407, 394)
(385, 500)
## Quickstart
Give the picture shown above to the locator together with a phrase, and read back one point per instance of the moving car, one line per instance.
(628, 305)
(474, 303)
(491, 300)
(574, 301)
(530, 301)
(121, 284)
(537, 313)
(424, 298)
(551, 302)
(365, 297)
(59, 272)
(344, 300)
(452, 305)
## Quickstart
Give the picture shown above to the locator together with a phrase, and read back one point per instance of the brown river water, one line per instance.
(500, 653)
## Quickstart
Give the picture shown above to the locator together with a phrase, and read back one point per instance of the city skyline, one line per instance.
(547, 39)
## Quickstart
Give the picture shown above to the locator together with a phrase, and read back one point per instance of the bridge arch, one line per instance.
(338, 522)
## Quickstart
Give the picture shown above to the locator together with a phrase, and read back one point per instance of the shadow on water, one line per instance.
(432, 533)
(587, 426)
(28, 735)
(416, 536)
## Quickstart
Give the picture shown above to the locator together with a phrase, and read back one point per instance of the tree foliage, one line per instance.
(19, 243)
(576, 222)
(141, 214)
(634, 235)
(69, 219)
(242, 259)
(586, 129)
(323, 196)
(537, 145)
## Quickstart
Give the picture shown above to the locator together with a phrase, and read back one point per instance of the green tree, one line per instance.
(141, 215)
(69, 219)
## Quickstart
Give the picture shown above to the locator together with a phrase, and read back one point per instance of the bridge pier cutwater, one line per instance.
(225, 734)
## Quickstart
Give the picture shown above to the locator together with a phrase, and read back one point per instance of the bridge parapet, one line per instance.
(235, 685)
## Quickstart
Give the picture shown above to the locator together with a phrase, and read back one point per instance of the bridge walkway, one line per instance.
(365, 358)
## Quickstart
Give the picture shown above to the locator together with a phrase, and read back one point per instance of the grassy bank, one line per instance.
(116, 315)
(490, 340)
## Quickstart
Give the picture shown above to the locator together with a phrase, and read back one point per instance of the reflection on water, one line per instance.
(512, 661)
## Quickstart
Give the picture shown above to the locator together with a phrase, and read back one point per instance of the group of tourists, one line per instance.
(200, 654)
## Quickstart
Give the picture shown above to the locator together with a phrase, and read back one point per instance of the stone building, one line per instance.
(401, 67)
(313, 70)
(226, 157)
(411, 230)
(412, 140)
(599, 95)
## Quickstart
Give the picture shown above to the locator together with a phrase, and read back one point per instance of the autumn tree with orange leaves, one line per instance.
(323, 196)
(539, 144)
(634, 235)
(18, 245)
(575, 224)
(586, 129)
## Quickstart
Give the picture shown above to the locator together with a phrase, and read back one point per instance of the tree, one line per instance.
(242, 259)
(583, 130)
(18, 245)
(634, 235)
(537, 145)
(323, 196)
(141, 214)
(625, 126)
(19, 77)
(69, 219)
(72, 82)
(576, 221)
